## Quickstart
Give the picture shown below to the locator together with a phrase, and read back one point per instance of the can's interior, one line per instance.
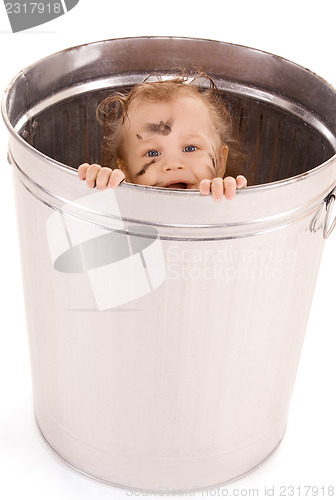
(276, 144)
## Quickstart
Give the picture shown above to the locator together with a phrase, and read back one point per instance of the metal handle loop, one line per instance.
(329, 227)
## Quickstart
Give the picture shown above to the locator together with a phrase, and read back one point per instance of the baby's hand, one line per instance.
(220, 187)
(102, 177)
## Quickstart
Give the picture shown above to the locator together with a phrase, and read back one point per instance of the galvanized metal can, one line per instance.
(165, 329)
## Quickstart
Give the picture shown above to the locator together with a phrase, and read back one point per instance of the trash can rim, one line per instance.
(72, 170)
(179, 192)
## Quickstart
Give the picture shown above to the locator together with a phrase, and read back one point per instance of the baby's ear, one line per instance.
(222, 159)
(122, 166)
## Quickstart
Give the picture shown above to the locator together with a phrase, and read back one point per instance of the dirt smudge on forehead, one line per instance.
(162, 128)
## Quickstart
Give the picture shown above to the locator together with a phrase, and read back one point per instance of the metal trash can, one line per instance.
(165, 329)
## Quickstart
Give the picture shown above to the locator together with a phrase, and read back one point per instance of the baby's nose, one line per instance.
(173, 164)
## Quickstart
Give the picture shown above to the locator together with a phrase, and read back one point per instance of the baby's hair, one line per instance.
(113, 111)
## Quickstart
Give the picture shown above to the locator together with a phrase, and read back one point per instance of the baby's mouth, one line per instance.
(178, 185)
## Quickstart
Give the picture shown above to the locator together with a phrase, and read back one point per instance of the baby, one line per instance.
(170, 134)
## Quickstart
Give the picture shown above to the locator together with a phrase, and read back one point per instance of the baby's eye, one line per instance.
(152, 153)
(190, 149)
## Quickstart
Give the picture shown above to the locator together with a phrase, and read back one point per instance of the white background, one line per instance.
(298, 30)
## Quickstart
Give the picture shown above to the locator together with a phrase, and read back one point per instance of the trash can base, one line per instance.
(169, 491)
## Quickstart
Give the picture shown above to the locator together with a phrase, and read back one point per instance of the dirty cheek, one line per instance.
(145, 166)
(149, 163)
(212, 160)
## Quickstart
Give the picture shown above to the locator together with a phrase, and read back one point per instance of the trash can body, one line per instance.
(165, 330)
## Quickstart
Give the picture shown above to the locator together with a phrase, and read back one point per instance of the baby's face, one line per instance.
(171, 144)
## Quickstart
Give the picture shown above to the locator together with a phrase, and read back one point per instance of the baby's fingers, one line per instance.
(205, 186)
(91, 174)
(217, 189)
(103, 178)
(229, 187)
(82, 171)
(241, 182)
(117, 176)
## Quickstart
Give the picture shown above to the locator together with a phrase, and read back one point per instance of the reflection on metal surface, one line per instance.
(121, 267)
(328, 225)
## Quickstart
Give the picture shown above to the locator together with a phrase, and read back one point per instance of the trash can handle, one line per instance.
(329, 227)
